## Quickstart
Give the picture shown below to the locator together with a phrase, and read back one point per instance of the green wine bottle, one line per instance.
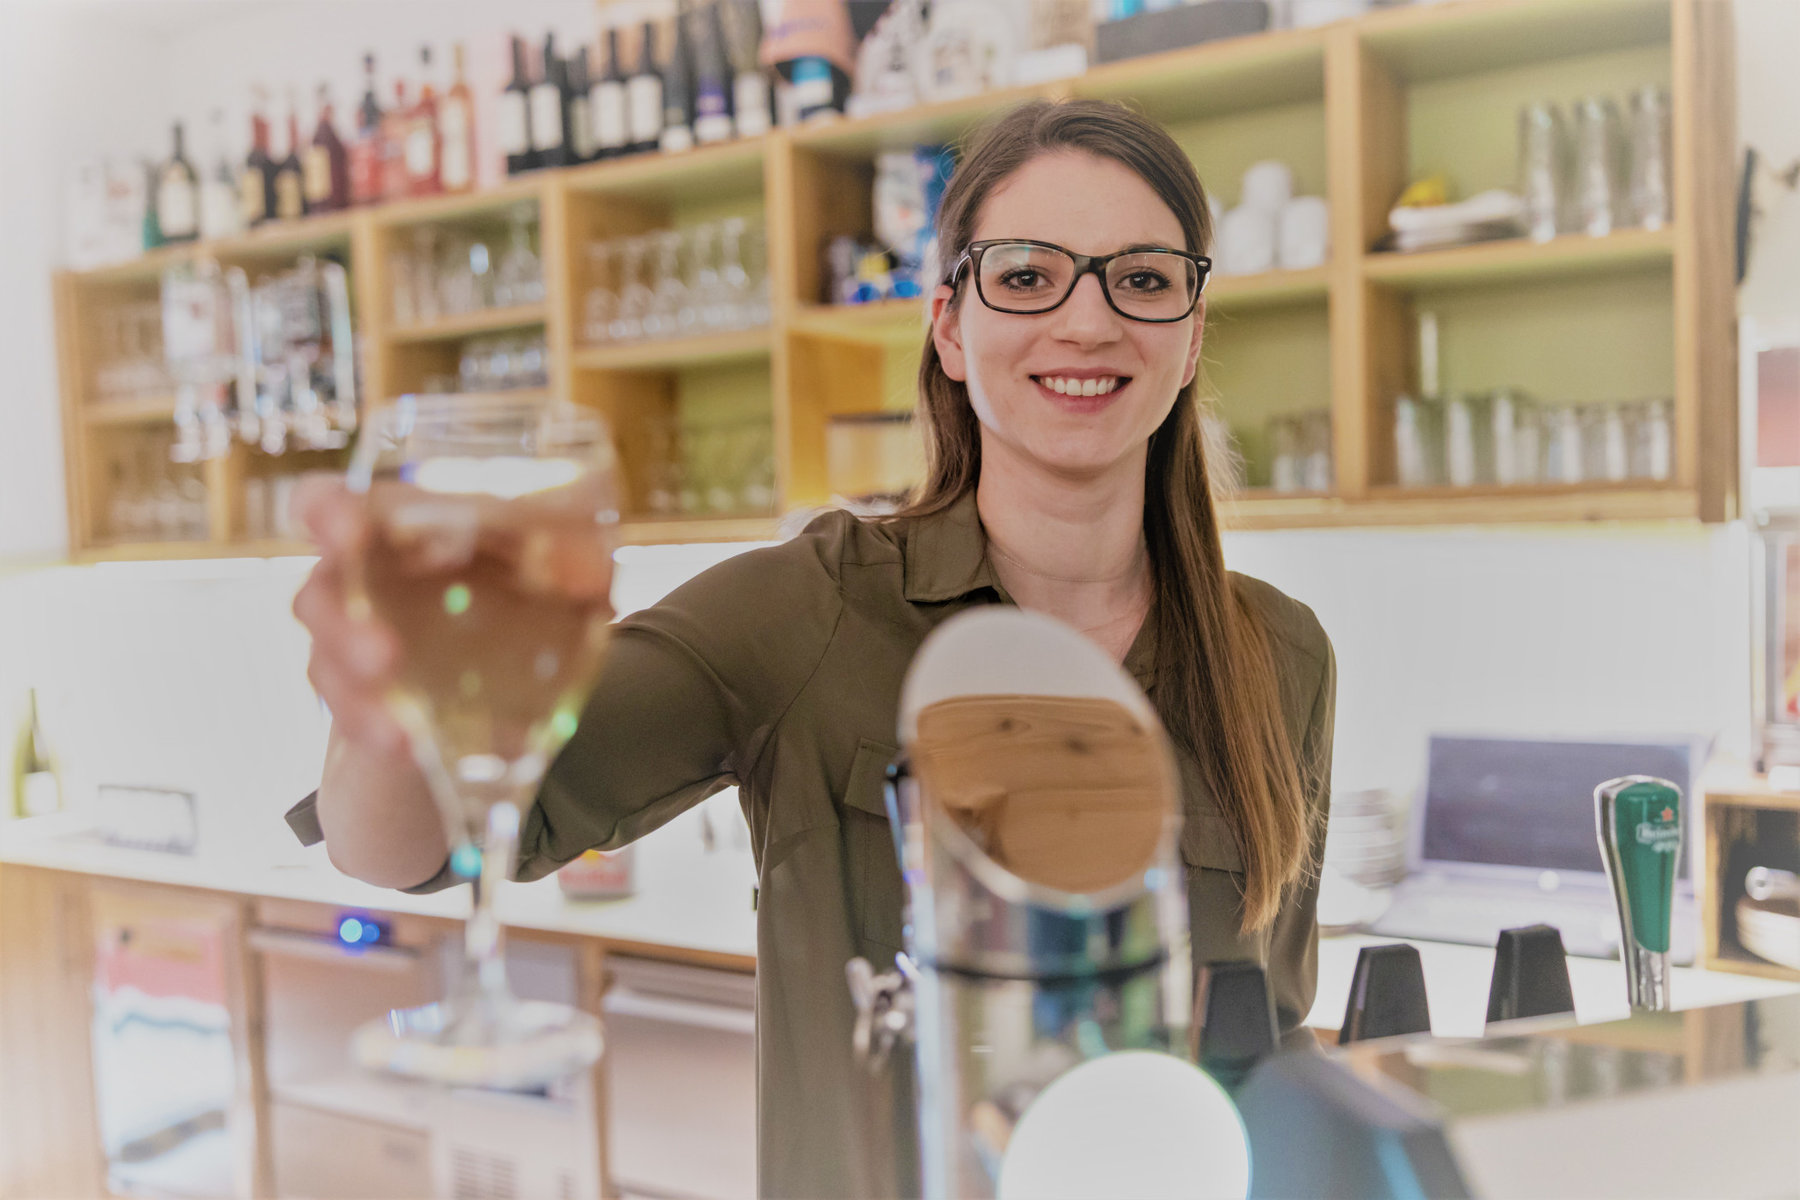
(1638, 820)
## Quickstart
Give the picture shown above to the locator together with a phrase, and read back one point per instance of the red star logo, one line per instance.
(1668, 814)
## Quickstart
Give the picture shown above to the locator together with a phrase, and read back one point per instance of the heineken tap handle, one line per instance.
(1638, 819)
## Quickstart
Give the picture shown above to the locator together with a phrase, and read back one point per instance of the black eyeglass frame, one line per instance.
(1094, 264)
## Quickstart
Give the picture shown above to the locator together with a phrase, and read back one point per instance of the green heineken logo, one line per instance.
(1664, 839)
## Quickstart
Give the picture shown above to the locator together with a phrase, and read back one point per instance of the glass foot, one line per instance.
(523, 1045)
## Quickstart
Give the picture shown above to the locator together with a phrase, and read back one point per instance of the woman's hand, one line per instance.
(354, 655)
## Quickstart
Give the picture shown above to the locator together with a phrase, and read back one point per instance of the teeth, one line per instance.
(1080, 387)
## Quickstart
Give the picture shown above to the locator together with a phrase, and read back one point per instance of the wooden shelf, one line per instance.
(674, 352)
(883, 321)
(721, 170)
(462, 325)
(945, 121)
(1519, 259)
(1388, 506)
(652, 531)
(143, 411)
(1214, 78)
(1268, 289)
(1470, 37)
(491, 203)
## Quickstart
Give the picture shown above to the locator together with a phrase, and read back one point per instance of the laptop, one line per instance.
(1503, 836)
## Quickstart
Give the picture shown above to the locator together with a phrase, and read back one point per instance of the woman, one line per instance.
(1066, 474)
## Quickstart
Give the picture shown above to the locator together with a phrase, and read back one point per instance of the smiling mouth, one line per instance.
(1101, 385)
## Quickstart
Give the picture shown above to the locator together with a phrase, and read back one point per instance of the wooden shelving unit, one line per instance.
(1358, 108)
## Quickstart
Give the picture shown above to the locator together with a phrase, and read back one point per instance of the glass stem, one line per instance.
(483, 939)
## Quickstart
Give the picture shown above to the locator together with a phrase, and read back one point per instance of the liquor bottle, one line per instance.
(396, 122)
(547, 117)
(456, 130)
(752, 110)
(327, 166)
(643, 95)
(712, 80)
(178, 195)
(366, 151)
(290, 178)
(606, 100)
(678, 91)
(150, 230)
(219, 214)
(36, 788)
(1638, 822)
(256, 180)
(578, 114)
(424, 162)
(515, 115)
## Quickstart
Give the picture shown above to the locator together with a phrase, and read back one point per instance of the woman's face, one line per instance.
(1018, 367)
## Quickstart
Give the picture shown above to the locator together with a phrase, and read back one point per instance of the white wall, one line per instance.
(192, 676)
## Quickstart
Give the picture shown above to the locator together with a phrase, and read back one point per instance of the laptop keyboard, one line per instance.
(1589, 927)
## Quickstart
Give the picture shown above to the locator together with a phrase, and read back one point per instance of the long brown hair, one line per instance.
(1216, 686)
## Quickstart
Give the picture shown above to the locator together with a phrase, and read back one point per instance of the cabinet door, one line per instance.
(330, 1156)
(171, 1059)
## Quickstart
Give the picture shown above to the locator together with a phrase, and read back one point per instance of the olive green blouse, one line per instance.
(779, 671)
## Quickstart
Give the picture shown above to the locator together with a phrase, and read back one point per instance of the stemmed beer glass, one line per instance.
(488, 554)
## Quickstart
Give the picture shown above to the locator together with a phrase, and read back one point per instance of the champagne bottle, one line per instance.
(219, 215)
(366, 152)
(578, 114)
(290, 182)
(36, 787)
(1638, 820)
(424, 165)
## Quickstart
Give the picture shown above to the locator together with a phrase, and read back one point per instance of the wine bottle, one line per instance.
(326, 170)
(578, 114)
(606, 98)
(219, 216)
(178, 195)
(366, 151)
(643, 95)
(396, 123)
(515, 115)
(547, 117)
(456, 130)
(290, 180)
(256, 181)
(678, 90)
(712, 80)
(424, 167)
(36, 788)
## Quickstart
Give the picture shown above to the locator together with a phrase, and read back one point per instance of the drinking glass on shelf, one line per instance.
(1468, 440)
(488, 555)
(1649, 141)
(602, 301)
(1543, 169)
(669, 293)
(1418, 441)
(402, 297)
(426, 306)
(1517, 442)
(1285, 453)
(1315, 451)
(1604, 454)
(455, 277)
(1599, 150)
(635, 296)
(1651, 428)
(1563, 457)
(520, 277)
(707, 306)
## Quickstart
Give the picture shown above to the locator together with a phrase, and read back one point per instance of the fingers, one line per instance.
(330, 513)
(357, 713)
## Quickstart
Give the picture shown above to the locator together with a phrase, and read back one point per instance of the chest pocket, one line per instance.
(876, 895)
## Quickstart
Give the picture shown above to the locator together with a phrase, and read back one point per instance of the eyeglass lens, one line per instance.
(1023, 278)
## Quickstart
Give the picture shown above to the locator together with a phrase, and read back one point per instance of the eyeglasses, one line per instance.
(1023, 277)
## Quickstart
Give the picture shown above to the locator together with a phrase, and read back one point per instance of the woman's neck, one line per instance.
(1072, 548)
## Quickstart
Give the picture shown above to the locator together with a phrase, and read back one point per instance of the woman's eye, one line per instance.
(1143, 282)
(1023, 279)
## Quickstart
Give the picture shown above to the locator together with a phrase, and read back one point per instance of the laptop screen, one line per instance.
(1501, 802)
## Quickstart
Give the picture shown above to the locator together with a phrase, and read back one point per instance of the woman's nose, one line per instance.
(1085, 316)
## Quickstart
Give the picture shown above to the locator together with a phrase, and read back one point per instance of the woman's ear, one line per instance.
(946, 333)
(1193, 350)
